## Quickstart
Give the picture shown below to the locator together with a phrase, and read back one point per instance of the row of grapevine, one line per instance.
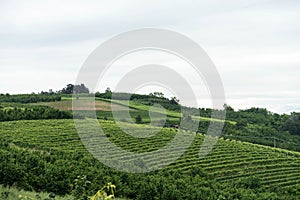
(229, 161)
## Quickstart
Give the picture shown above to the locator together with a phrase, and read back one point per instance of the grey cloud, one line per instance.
(255, 44)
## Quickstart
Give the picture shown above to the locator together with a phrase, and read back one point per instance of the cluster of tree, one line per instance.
(44, 96)
(69, 89)
(151, 99)
(56, 171)
(249, 116)
(32, 112)
(29, 98)
(292, 124)
(256, 125)
(259, 126)
(263, 117)
(74, 89)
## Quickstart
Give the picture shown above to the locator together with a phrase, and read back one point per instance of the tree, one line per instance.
(227, 107)
(97, 94)
(292, 124)
(241, 123)
(68, 89)
(157, 94)
(108, 90)
(80, 89)
(138, 119)
(77, 89)
(174, 100)
(51, 91)
(106, 95)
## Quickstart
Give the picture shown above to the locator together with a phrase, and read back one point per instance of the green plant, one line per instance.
(81, 185)
(107, 192)
(138, 119)
(4, 195)
(47, 155)
(25, 197)
(37, 197)
(81, 188)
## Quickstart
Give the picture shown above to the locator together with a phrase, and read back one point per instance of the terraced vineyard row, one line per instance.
(229, 160)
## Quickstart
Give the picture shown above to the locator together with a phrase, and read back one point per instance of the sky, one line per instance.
(255, 44)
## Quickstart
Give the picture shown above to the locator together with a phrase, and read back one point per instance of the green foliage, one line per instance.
(138, 119)
(292, 124)
(81, 185)
(74, 89)
(249, 183)
(29, 112)
(37, 197)
(29, 98)
(48, 156)
(149, 100)
(105, 193)
(12, 193)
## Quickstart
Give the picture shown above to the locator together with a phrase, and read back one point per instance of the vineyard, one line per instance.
(230, 162)
(66, 104)
(256, 157)
(253, 125)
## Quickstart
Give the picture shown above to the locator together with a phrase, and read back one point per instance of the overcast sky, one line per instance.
(255, 44)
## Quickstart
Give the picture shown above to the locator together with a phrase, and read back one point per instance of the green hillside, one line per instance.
(230, 162)
(254, 125)
(256, 157)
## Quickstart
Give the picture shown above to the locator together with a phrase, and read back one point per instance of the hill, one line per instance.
(254, 125)
(51, 154)
(256, 157)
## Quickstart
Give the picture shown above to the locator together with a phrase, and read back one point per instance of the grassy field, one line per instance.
(104, 107)
(229, 160)
(14, 194)
(172, 115)
(67, 105)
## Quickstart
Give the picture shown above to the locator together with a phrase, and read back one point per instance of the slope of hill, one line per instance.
(44, 153)
(58, 147)
(255, 125)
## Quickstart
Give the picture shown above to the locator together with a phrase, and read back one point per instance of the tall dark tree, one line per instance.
(80, 89)
(68, 89)
(77, 89)
(292, 124)
(138, 119)
(174, 100)
(108, 90)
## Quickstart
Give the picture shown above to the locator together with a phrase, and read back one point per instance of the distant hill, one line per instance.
(255, 125)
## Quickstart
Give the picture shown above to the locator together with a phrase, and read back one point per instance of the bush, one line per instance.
(138, 119)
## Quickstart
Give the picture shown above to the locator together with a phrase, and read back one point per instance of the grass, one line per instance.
(14, 194)
(67, 105)
(104, 107)
(170, 114)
